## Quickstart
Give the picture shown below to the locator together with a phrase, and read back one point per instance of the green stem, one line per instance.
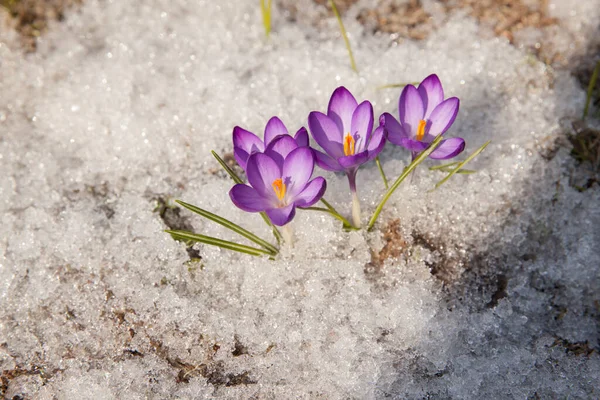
(225, 244)
(344, 35)
(266, 14)
(590, 89)
(230, 225)
(418, 160)
(385, 181)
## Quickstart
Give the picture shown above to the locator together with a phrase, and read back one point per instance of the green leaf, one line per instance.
(232, 174)
(461, 164)
(265, 8)
(395, 85)
(590, 89)
(344, 35)
(382, 172)
(418, 160)
(230, 225)
(225, 244)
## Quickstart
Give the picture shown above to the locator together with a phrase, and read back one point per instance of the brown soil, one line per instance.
(30, 18)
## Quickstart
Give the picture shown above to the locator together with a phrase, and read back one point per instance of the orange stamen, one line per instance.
(348, 145)
(279, 188)
(421, 130)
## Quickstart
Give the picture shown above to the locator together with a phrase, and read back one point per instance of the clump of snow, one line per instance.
(122, 104)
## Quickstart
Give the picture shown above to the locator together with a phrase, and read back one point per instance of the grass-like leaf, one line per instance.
(448, 168)
(462, 164)
(395, 85)
(382, 172)
(237, 179)
(344, 35)
(590, 89)
(230, 225)
(265, 8)
(418, 160)
(332, 211)
(225, 244)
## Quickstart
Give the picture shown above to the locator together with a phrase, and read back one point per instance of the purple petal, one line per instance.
(431, 92)
(411, 109)
(245, 143)
(248, 199)
(376, 143)
(341, 107)
(280, 147)
(349, 162)
(443, 116)
(394, 131)
(302, 137)
(297, 170)
(283, 215)
(325, 162)
(362, 125)
(448, 148)
(312, 192)
(262, 171)
(413, 145)
(326, 134)
(273, 129)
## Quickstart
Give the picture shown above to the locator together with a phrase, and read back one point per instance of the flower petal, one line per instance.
(248, 199)
(413, 145)
(302, 137)
(448, 148)
(280, 147)
(341, 107)
(297, 170)
(411, 109)
(262, 171)
(431, 92)
(244, 144)
(376, 143)
(362, 125)
(349, 162)
(312, 192)
(325, 162)
(283, 215)
(394, 131)
(326, 134)
(273, 129)
(443, 116)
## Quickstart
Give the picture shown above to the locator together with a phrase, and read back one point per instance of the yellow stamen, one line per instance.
(421, 129)
(348, 145)
(279, 188)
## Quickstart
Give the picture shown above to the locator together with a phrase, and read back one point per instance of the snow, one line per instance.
(121, 105)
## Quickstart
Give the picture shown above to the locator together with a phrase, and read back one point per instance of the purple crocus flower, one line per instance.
(424, 114)
(279, 184)
(346, 134)
(246, 143)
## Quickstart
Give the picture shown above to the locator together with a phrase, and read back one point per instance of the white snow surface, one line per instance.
(121, 105)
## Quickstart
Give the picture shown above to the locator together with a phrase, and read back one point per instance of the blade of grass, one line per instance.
(225, 244)
(265, 8)
(395, 85)
(230, 225)
(232, 174)
(344, 35)
(590, 89)
(461, 164)
(331, 211)
(385, 181)
(435, 167)
(418, 160)
(237, 179)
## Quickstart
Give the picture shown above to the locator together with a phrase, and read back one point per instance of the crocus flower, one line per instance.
(424, 114)
(346, 135)
(246, 143)
(278, 184)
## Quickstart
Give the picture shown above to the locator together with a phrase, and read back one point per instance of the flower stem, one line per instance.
(355, 201)
(385, 181)
(411, 167)
(288, 235)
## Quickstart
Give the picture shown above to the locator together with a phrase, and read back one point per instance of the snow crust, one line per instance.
(122, 104)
